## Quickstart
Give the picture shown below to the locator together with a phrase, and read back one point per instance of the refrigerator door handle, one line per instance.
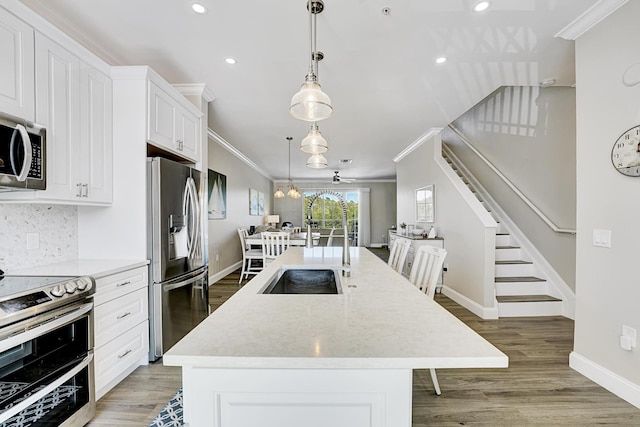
(170, 286)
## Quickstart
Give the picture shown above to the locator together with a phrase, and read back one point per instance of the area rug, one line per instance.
(171, 414)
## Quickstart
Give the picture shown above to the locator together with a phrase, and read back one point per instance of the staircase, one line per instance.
(519, 289)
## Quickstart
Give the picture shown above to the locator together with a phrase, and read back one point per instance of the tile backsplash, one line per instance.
(34, 234)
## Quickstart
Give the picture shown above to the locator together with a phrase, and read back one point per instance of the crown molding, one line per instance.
(196, 89)
(417, 143)
(237, 153)
(590, 18)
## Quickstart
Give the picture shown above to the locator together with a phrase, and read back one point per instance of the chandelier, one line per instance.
(293, 190)
(311, 104)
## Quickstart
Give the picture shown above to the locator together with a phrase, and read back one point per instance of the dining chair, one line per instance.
(250, 257)
(398, 254)
(425, 271)
(274, 243)
(296, 229)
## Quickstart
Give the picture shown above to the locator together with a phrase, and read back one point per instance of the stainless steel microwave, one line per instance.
(22, 155)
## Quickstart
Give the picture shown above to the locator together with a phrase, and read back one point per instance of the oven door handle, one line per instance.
(48, 389)
(24, 331)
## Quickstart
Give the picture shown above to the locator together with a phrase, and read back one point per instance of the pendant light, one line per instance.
(311, 104)
(317, 161)
(293, 190)
(314, 143)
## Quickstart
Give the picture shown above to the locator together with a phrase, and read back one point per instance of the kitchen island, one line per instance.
(321, 360)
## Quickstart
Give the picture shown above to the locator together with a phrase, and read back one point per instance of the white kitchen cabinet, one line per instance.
(415, 244)
(121, 327)
(17, 72)
(171, 125)
(74, 103)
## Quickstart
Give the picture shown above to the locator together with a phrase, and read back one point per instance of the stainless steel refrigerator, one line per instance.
(178, 275)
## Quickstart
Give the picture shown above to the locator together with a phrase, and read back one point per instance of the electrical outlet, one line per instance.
(629, 338)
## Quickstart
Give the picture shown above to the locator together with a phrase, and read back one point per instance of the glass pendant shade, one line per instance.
(314, 143)
(317, 161)
(311, 104)
(279, 194)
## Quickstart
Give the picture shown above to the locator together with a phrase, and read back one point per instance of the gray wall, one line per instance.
(469, 243)
(608, 288)
(224, 243)
(528, 134)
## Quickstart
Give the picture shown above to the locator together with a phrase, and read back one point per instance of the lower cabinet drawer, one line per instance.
(117, 316)
(119, 357)
(119, 284)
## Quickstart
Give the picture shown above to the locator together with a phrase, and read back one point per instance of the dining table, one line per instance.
(295, 239)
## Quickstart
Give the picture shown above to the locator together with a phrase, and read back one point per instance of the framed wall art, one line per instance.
(217, 203)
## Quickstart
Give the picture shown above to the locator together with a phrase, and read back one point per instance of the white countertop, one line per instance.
(95, 268)
(382, 322)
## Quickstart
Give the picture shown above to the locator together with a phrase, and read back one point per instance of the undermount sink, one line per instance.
(305, 281)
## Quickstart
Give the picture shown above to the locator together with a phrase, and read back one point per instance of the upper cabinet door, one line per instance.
(96, 135)
(189, 137)
(16, 67)
(58, 109)
(161, 123)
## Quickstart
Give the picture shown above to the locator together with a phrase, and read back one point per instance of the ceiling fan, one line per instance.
(337, 180)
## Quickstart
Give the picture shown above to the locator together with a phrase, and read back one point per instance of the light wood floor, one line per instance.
(538, 388)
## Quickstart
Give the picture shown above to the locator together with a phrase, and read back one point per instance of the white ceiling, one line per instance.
(379, 70)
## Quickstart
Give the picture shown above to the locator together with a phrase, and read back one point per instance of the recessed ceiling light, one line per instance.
(480, 6)
(198, 8)
(230, 61)
(441, 60)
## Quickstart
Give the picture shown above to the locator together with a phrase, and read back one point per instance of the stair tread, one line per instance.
(518, 279)
(513, 262)
(526, 298)
(508, 247)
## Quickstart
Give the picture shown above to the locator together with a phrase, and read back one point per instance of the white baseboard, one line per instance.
(480, 311)
(222, 273)
(613, 382)
(377, 245)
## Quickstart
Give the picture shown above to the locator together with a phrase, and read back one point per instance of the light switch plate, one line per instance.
(602, 238)
(630, 332)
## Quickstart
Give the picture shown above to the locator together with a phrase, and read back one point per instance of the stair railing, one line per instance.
(515, 189)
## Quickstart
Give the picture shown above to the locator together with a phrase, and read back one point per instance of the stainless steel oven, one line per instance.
(46, 351)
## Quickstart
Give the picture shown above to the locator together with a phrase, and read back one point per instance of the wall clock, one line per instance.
(625, 154)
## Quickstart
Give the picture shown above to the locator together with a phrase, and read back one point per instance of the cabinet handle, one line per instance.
(123, 284)
(122, 316)
(85, 190)
(78, 190)
(124, 354)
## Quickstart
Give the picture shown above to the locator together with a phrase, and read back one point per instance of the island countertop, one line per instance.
(380, 321)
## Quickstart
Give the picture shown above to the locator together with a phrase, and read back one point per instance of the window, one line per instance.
(327, 211)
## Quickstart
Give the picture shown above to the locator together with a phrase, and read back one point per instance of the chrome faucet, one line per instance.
(346, 257)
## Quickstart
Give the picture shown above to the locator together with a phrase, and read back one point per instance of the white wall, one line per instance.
(466, 238)
(607, 284)
(528, 134)
(57, 233)
(224, 243)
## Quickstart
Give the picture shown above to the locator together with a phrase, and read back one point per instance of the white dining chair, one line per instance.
(296, 229)
(425, 271)
(274, 243)
(252, 260)
(398, 254)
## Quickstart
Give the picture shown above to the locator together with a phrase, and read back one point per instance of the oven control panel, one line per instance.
(80, 285)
